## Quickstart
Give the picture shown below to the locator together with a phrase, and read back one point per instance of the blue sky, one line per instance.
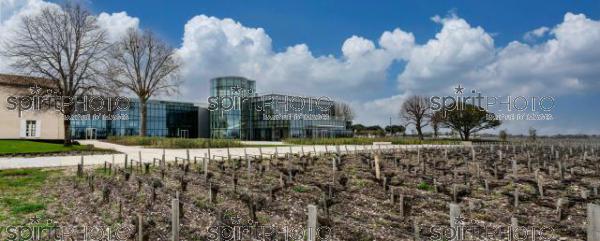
(325, 24)
(374, 55)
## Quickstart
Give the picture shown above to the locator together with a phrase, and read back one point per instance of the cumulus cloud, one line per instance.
(536, 33)
(356, 47)
(11, 12)
(445, 59)
(117, 24)
(213, 47)
(460, 53)
(397, 42)
(568, 61)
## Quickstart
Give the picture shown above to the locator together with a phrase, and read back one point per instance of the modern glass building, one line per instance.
(237, 112)
(234, 111)
(228, 106)
(164, 118)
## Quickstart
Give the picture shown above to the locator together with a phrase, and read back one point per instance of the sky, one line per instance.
(374, 55)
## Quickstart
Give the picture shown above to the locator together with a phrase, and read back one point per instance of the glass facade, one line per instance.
(164, 118)
(277, 117)
(237, 112)
(230, 98)
(234, 111)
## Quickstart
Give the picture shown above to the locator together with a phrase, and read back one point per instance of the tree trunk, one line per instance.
(467, 134)
(67, 131)
(419, 132)
(143, 116)
(67, 112)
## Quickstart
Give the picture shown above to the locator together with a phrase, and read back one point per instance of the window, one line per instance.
(30, 128)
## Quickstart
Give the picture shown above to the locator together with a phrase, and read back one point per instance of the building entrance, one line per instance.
(91, 134)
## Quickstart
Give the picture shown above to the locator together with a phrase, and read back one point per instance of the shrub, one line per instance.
(300, 188)
(165, 142)
(424, 186)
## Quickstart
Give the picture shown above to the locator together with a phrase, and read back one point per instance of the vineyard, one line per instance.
(377, 194)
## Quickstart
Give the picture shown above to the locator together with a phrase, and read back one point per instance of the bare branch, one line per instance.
(61, 44)
(144, 65)
(344, 111)
(416, 110)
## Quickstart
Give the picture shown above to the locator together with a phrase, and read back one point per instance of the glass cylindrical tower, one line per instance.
(230, 98)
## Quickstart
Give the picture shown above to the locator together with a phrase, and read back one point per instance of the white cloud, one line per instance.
(117, 24)
(463, 54)
(11, 12)
(379, 111)
(11, 8)
(398, 42)
(356, 47)
(444, 60)
(214, 47)
(569, 61)
(536, 33)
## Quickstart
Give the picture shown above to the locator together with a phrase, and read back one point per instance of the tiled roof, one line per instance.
(25, 81)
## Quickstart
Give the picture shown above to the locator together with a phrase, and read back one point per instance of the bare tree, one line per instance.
(144, 65)
(532, 134)
(64, 45)
(503, 135)
(437, 120)
(344, 110)
(416, 110)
